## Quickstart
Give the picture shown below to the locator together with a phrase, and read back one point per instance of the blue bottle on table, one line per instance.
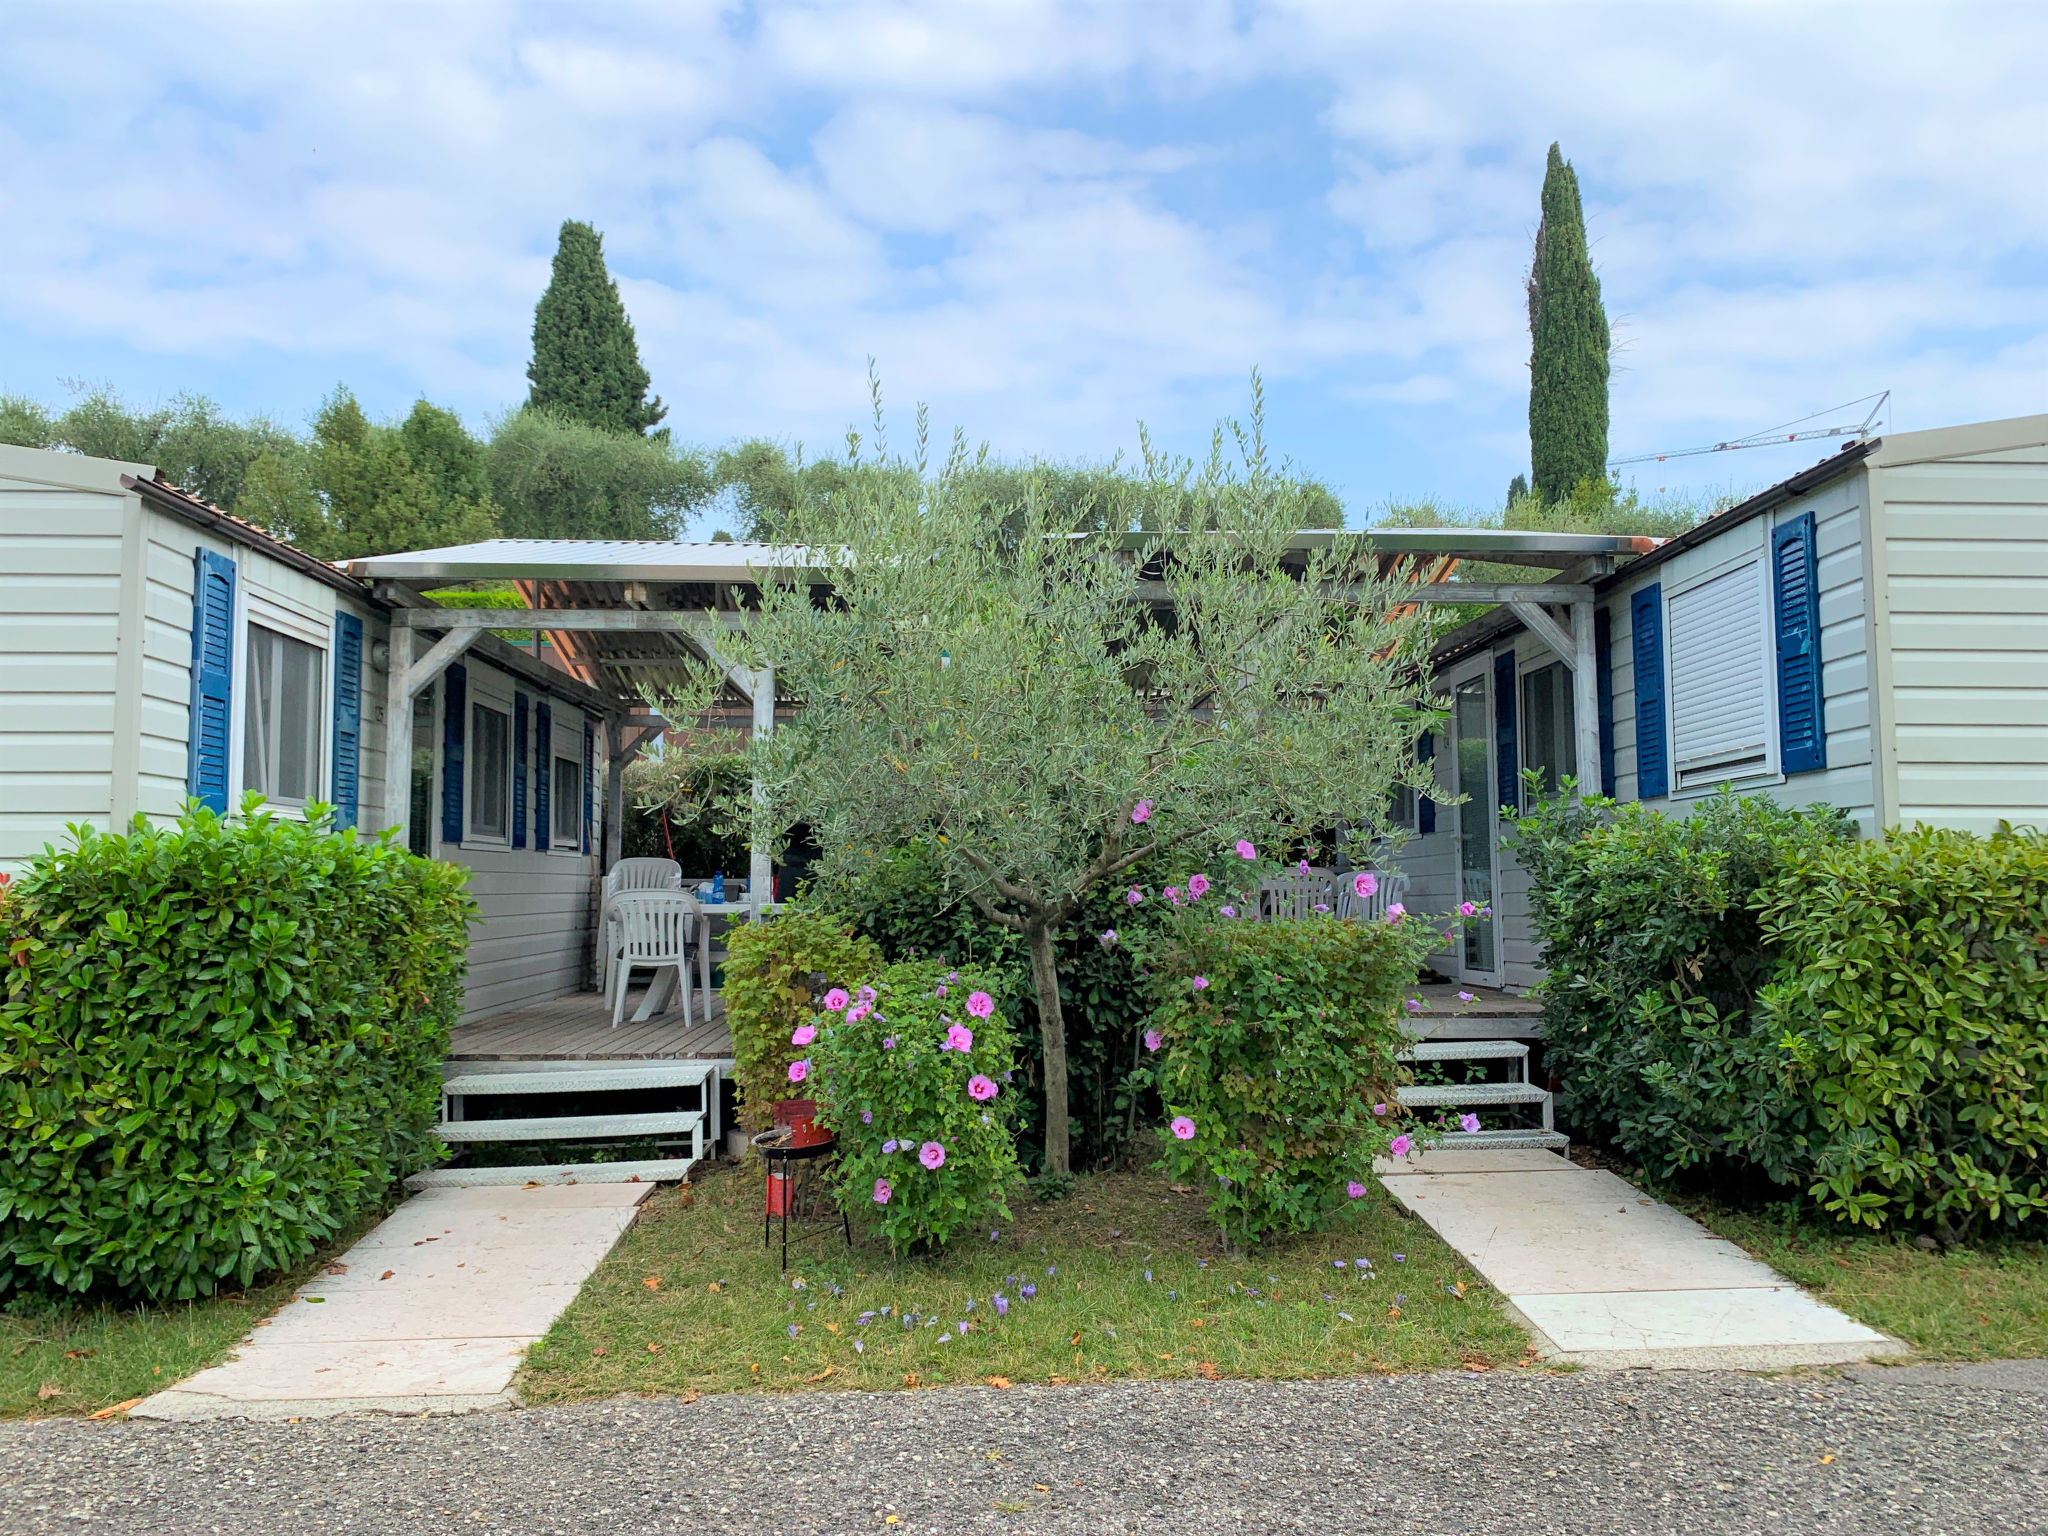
(718, 888)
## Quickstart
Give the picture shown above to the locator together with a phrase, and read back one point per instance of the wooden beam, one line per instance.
(1490, 592)
(1548, 630)
(405, 676)
(760, 864)
(689, 621)
(1586, 685)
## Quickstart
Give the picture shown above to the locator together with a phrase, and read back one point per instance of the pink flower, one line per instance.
(883, 1190)
(1413, 1005)
(979, 1087)
(888, 1042)
(867, 995)
(1200, 983)
(1109, 938)
(1230, 911)
(799, 1070)
(805, 1034)
(940, 991)
(981, 1005)
(1400, 1146)
(1322, 906)
(1153, 1040)
(858, 1012)
(1183, 1128)
(1141, 812)
(1365, 883)
(836, 1000)
(1395, 911)
(1198, 886)
(1245, 850)
(1134, 896)
(1379, 1109)
(1467, 909)
(1468, 1122)
(932, 1155)
(958, 1038)
(1355, 1190)
(1173, 894)
(867, 1117)
(1465, 997)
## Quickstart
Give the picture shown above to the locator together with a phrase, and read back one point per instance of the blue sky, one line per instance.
(1048, 220)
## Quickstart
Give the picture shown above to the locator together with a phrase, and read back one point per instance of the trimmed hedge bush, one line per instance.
(775, 972)
(1278, 1043)
(916, 1076)
(220, 1042)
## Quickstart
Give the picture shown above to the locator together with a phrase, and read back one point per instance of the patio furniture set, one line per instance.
(650, 922)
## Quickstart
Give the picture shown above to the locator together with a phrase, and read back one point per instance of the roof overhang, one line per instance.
(586, 560)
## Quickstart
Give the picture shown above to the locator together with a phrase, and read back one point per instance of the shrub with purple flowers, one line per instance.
(1272, 1072)
(930, 1118)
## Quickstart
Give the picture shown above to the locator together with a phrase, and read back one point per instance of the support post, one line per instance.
(614, 792)
(404, 679)
(761, 866)
(1586, 699)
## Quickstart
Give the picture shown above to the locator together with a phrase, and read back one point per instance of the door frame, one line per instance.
(1479, 667)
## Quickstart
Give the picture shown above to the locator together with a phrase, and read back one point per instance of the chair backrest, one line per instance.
(1392, 886)
(1294, 896)
(643, 875)
(654, 925)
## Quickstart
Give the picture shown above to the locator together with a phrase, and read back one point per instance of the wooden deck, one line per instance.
(1490, 1015)
(579, 1028)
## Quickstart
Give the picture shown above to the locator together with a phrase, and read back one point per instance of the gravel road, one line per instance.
(1902, 1451)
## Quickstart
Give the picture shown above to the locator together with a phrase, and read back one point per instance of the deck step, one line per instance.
(657, 1170)
(1431, 1095)
(1466, 1050)
(574, 1079)
(572, 1127)
(1555, 1141)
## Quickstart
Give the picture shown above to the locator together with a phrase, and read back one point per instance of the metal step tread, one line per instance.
(1555, 1141)
(1466, 1050)
(571, 1127)
(1430, 1094)
(655, 1170)
(665, 1074)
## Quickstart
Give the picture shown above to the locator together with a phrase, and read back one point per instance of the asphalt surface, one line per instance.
(1922, 1450)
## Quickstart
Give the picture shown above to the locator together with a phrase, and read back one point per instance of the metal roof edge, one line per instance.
(168, 498)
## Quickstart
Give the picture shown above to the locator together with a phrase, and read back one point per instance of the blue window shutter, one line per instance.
(543, 771)
(348, 718)
(454, 711)
(1802, 731)
(518, 770)
(1507, 753)
(1425, 808)
(210, 719)
(1646, 635)
(1603, 664)
(589, 763)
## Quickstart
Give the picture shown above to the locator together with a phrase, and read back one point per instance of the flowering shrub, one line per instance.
(1278, 1066)
(916, 1078)
(776, 974)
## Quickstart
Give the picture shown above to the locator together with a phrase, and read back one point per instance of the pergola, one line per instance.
(620, 614)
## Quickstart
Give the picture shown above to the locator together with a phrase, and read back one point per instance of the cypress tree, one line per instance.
(1568, 345)
(586, 364)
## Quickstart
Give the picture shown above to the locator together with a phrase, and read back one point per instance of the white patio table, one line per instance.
(742, 910)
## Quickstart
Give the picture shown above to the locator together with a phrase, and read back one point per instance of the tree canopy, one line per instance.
(586, 361)
(561, 478)
(1568, 336)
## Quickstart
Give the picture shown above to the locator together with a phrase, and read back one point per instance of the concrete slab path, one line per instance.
(430, 1312)
(1606, 1276)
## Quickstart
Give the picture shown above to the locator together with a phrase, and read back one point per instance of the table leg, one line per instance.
(704, 958)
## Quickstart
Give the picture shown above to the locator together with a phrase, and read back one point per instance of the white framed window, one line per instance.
(284, 697)
(1549, 746)
(565, 804)
(489, 795)
(1720, 689)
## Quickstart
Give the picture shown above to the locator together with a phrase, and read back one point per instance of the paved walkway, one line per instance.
(1606, 1276)
(430, 1312)
(1521, 1453)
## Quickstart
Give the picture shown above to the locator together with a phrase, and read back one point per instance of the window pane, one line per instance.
(1548, 746)
(282, 721)
(490, 772)
(259, 755)
(568, 803)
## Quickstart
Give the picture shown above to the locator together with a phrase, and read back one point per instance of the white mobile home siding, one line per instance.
(1963, 539)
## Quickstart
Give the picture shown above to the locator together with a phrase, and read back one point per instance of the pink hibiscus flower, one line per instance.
(932, 1155)
(979, 1087)
(980, 1004)
(1183, 1128)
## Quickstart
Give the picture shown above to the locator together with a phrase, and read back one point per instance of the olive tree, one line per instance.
(1042, 709)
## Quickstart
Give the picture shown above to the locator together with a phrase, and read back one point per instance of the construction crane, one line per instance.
(1789, 432)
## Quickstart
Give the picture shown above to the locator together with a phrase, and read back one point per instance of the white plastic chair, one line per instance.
(630, 875)
(1393, 887)
(1294, 896)
(655, 930)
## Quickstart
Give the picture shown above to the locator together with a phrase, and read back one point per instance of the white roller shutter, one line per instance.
(1720, 690)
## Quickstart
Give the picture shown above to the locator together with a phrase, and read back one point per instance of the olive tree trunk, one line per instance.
(1052, 1030)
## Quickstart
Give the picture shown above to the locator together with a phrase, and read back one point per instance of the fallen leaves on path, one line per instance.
(108, 1413)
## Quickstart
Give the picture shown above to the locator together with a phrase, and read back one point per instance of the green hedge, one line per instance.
(775, 973)
(220, 1042)
(1751, 991)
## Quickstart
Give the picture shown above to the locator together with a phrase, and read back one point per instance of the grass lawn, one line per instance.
(1129, 1281)
(58, 1359)
(1981, 1303)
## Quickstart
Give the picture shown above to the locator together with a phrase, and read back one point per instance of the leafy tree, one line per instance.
(24, 423)
(374, 498)
(1016, 710)
(1568, 345)
(189, 441)
(1517, 489)
(441, 448)
(586, 362)
(561, 478)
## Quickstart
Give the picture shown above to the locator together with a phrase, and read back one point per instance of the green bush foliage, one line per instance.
(916, 1076)
(1911, 995)
(903, 904)
(775, 972)
(1752, 991)
(1278, 1068)
(219, 1043)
